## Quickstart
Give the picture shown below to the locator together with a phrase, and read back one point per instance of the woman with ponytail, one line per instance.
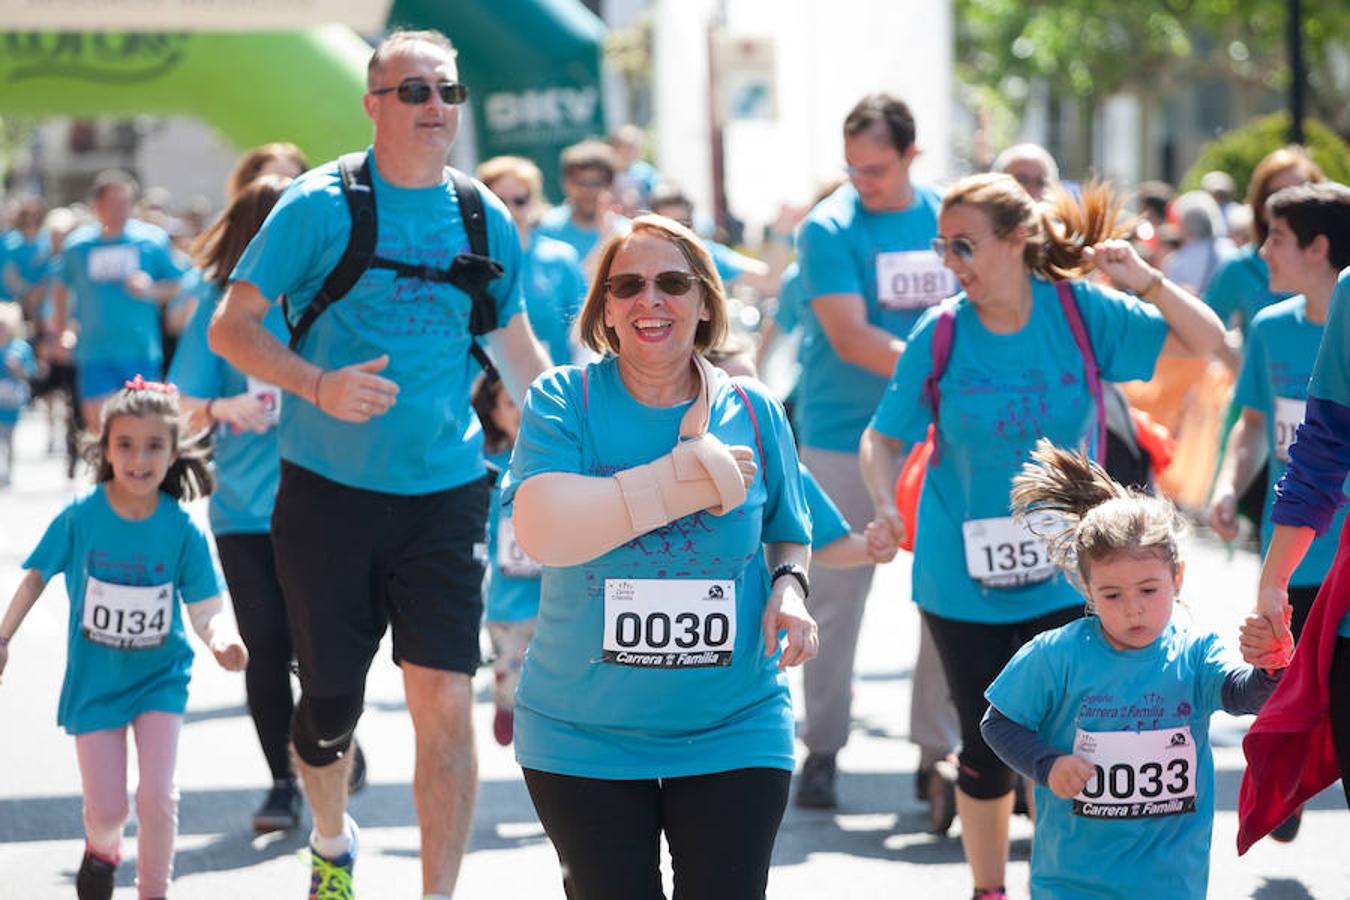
(1109, 715)
(1018, 355)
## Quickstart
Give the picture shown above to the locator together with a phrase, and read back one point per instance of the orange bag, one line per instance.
(909, 486)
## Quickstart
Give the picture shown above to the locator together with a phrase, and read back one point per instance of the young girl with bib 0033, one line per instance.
(129, 551)
(1110, 713)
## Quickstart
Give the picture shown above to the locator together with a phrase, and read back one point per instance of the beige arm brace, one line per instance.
(563, 519)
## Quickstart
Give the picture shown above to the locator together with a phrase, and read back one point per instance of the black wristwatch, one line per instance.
(796, 572)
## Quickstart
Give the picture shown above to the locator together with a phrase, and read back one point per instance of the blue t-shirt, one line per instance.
(792, 307)
(557, 223)
(430, 439)
(248, 468)
(579, 715)
(22, 263)
(511, 580)
(1000, 394)
(1241, 285)
(554, 289)
(14, 392)
(729, 264)
(116, 327)
(827, 522)
(844, 249)
(105, 686)
(1278, 361)
(1071, 678)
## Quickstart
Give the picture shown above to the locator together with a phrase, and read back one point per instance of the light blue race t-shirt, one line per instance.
(557, 223)
(827, 522)
(22, 263)
(1071, 678)
(886, 258)
(1001, 393)
(729, 264)
(107, 686)
(792, 306)
(116, 327)
(1241, 285)
(429, 440)
(1277, 364)
(248, 468)
(664, 713)
(511, 579)
(554, 288)
(14, 391)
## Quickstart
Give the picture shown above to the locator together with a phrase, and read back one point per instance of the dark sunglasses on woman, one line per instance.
(629, 284)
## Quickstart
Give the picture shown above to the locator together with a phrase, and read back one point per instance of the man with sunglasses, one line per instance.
(587, 217)
(383, 496)
(869, 274)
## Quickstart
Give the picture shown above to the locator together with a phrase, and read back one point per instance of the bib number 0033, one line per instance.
(1138, 775)
(657, 623)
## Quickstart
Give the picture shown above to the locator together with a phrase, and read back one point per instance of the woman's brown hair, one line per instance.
(598, 336)
(1056, 232)
(1084, 515)
(252, 162)
(219, 247)
(1275, 163)
(189, 475)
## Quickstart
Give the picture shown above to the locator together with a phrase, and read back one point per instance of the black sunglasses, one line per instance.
(415, 92)
(672, 283)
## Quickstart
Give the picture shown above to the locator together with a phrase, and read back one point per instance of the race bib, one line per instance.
(662, 623)
(1001, 552)
(510, 558)
(113, 263)
(129, 618)
(1139, 774)
(269, 395)
(1288, 415)
(912, 279)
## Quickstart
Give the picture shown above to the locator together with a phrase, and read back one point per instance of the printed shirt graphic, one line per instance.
(1000, 394)
(1277, 364)
(114, 325)
(106, 687)
(838, 247)
(577, 715)
(507, 598)
(429, 440)
(1071, 679)
(248, 468)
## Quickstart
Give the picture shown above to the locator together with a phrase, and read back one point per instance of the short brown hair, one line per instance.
(598, 336)
(399, 40)
(589, 154)
(1276, 163)
(109, 178)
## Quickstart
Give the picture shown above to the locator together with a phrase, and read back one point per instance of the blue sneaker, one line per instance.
(331, 879)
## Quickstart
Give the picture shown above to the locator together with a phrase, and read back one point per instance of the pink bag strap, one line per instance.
(754, 423)
(1093, 375)
(944, 330)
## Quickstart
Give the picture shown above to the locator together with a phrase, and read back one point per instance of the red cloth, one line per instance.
(1290, 757)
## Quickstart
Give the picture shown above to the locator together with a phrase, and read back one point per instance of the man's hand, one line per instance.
(356, 393)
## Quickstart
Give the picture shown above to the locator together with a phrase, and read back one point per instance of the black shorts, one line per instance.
(352, 562)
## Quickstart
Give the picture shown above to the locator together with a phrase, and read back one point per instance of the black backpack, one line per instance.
(470, 272)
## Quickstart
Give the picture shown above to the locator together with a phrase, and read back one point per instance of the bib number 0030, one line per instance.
(658, 623)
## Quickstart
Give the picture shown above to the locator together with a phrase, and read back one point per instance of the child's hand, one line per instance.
(881, 548)
(1261, 647)
(1069, 775)
(230, 653)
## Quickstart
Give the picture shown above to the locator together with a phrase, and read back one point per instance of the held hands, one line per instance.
(881, 545)
(230, 652)
(1260, 646)
(1069, 775)
(1119, 262)
(1272, 604)
(243, 412)
(786, 611)
(355, 393)
(1223, 514)
(888, 527)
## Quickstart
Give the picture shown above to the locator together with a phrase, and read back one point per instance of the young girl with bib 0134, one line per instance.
(1110, 713)
(129, 551)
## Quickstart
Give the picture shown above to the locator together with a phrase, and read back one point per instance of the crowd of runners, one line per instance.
(428, 405)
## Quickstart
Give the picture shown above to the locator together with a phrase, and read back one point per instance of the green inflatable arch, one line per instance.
(302, 87)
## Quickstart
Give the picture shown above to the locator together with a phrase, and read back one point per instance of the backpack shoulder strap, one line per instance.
(1074, 316)
(944, 332)
(471, 210)
(359, 192)
(483, 309)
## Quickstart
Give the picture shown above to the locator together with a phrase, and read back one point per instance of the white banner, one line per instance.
(364, 16)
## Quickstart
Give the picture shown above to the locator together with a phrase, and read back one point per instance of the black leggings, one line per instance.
(1340, 710)
(973, 654)
(260, 610)
(720, 829)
